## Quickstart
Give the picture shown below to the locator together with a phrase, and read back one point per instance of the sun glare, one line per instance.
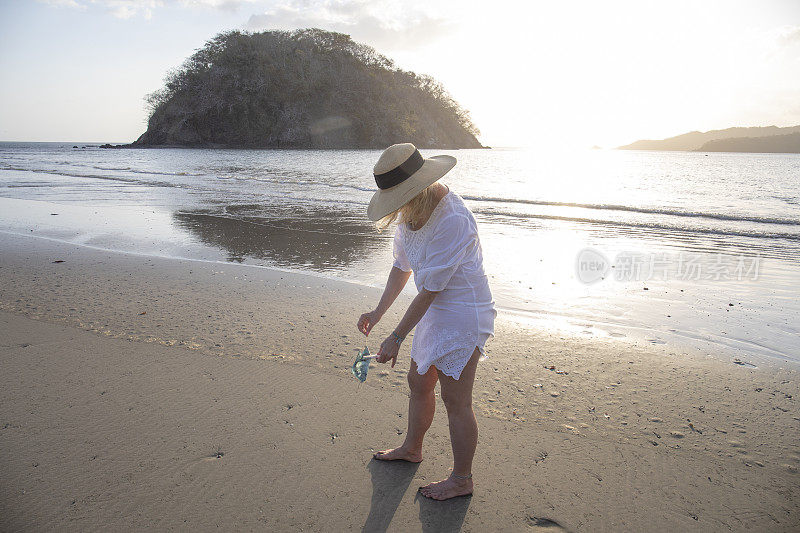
(584, 73)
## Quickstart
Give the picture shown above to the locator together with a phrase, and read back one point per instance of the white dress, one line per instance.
(445, 255)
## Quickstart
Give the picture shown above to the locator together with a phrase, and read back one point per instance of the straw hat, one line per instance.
(401, 173)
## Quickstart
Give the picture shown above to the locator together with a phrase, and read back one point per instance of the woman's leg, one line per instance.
(457, 397)
(421, 406)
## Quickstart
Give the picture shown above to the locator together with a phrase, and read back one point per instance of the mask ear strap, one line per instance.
(366, 357)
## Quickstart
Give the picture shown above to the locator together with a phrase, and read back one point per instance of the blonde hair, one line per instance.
(413, 211)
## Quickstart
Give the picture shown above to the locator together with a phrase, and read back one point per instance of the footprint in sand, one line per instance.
(200, 464)
(213, 457)
(544, 524)
(738, 446)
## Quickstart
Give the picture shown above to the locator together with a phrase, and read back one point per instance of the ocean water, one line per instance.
(700, 251)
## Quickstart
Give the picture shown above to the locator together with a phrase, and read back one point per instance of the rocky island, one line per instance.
(788, 143)
(758, 139)
(301, 89)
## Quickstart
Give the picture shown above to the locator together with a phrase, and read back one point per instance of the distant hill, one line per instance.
(789, 143)
(695, 140)
(301, 89)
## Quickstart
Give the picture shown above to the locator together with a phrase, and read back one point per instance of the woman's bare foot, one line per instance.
(398, 454)
(448, 488)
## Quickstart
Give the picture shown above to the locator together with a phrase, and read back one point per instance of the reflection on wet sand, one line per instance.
(320, 238)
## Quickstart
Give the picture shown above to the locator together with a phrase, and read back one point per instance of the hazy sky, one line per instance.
(531, 72)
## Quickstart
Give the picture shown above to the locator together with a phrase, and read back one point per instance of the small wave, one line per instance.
(346, 186)
(645, 225)
(634, 209)
(791, 200)
(154, 172)
(300, 180)
(111, 168)
(93, 176)
(29, 186)
(98, 167)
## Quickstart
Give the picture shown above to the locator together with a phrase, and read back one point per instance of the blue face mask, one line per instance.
(361, 365)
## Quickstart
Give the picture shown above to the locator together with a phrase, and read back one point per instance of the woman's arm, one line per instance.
(415, 312)
(394, 286)
(419, 306)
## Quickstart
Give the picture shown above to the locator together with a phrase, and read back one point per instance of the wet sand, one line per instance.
(145, 392)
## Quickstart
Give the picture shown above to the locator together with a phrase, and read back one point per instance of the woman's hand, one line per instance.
(367, 321)
(388, 351)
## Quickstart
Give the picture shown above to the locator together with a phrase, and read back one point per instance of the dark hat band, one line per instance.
(400, 173)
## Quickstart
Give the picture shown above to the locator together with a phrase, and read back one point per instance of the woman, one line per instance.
(437, 239)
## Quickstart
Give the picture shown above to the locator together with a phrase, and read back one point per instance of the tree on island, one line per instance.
(301, 89)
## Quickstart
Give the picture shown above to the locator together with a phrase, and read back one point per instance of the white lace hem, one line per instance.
(455, 359)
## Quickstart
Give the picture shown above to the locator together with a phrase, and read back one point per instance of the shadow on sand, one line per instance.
(443, 516)
(390, 481)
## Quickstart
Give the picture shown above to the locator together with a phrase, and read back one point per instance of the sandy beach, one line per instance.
(141, 392)
(595, 206)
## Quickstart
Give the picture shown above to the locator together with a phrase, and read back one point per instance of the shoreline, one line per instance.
(209, 355)
(167, 245)
(554, 324)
